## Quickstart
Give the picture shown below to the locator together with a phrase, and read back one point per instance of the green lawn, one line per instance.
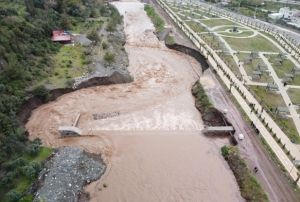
(257, 43)
(68, 63)
(272, 100)
(228, 59)
(236, 34)
(196, 27)
(249, 68)
(216, 22)
(294, 95)
(230, 26)
(285, 68)
(212, 41)
(88, 25)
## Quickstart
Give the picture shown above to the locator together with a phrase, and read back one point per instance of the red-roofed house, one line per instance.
(61, 36)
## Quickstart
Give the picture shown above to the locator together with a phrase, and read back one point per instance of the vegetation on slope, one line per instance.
(155, 18)
(27, 58)
(249, 187)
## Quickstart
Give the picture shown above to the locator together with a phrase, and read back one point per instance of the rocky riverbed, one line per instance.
(66, 173)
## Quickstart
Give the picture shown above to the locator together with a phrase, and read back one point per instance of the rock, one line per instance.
(66, 178)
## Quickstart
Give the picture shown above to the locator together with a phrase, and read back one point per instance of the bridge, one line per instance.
(218, 129)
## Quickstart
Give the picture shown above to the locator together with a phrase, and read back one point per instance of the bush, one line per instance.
(155, 18)
(104, 45)
(34, 147)
(93, 35)
(250, 189)
(41, 92)
(109, 57)
(13, 196)
(31, 171)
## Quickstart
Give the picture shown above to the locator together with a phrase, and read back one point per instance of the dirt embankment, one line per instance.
(191, 52)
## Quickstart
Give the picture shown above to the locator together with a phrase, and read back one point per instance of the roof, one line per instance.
(60, 35)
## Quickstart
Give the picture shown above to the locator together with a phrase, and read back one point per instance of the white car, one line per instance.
(241, 136)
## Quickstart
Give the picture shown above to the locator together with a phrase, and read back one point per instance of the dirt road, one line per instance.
(151, 137)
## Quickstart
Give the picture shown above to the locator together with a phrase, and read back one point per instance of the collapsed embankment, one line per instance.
(35, 101)
(191, 52)
(210, 115)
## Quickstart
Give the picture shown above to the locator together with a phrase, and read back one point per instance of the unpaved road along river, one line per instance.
(151, 138)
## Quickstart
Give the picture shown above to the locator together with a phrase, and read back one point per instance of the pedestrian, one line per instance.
(255, 169)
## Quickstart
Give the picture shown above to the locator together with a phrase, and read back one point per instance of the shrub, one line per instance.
(104, 45)
(157, 21)
(93, 35)
(250, 189)
(109, 57)
(41, 92)
(13, 196)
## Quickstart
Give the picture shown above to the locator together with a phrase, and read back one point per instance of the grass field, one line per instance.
(249, 68)
(294, 95)
(68, 63)
(216, 22)
(272, 100)
(285, 68)
(196, 27)
(236, 34)
(257, 43)
(225, 27)
(228, 59)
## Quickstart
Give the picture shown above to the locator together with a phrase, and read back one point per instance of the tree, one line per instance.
(13, 196)
(30, 7)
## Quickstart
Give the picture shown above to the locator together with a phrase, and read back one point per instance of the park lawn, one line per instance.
(212, 41)
(206, 14)
(245, 33)
(286, 68)
(281, 70)
(249, 68)
(294, 94)
(196, 27)
(271, 100)
(229, 61)
(226, 27)
(216, 22)
(288, 127)
(68, 63)
(257, 44)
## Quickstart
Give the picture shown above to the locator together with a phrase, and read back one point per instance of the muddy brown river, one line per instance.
(147, 131)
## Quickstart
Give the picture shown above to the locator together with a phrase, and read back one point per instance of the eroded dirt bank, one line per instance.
(150, 137)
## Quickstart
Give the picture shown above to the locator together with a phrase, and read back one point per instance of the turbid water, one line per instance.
(151, 134)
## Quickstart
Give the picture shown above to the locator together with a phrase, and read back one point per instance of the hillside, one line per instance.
(29, 61)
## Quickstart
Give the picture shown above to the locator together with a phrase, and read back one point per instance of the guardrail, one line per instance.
(274, 136)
